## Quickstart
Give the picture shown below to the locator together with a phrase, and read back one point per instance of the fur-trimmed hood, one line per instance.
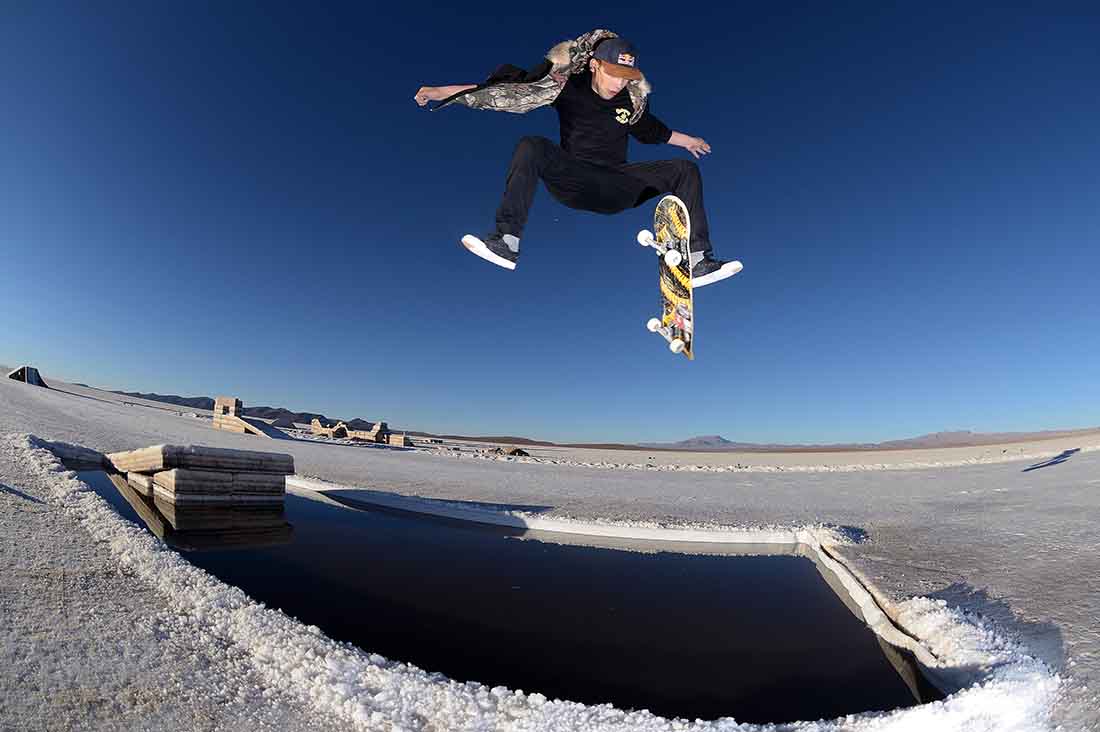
(513, 89)
(572, 57)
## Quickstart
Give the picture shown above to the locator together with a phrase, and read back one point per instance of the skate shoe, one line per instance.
(500, 249)
(708, 271)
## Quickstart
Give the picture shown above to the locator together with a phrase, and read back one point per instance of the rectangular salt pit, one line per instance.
(757, 638)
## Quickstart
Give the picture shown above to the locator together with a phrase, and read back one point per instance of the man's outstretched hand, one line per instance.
(697, 146)
(427, 94)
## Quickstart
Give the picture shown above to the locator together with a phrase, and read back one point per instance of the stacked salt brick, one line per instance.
(188, 475)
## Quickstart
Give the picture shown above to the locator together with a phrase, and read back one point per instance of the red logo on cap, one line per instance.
(625, 59)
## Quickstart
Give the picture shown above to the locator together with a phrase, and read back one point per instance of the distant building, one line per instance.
(231, 406)
(375, 432)
(28, 375)
(339, 430)
(378, 432)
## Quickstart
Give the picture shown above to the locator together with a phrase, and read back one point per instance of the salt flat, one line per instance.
(984, 529)
(828, 460)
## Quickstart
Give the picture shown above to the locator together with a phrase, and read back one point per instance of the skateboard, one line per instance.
(670, 236)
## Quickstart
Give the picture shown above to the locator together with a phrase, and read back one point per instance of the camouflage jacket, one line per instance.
(512, 89)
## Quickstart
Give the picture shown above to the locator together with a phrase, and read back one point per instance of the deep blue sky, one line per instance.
(205, 199)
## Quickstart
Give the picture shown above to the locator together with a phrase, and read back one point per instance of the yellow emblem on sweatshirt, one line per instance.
(622, 115)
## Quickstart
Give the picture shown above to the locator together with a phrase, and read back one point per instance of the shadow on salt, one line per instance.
(760, 633)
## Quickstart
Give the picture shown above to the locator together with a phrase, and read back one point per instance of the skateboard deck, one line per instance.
(670, 237)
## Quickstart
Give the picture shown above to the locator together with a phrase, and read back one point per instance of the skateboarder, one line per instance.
(601, 98)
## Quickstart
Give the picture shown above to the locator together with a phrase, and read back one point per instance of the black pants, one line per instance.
(589, 187)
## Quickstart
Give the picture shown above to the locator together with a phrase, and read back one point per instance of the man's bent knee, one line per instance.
(687, 168)
(532, 146)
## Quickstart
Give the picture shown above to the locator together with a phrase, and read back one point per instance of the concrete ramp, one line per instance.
(248, 426)
(259, 427)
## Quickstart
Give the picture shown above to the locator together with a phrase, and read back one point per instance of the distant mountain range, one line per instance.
(954, 438)
(704, 442)
(275, 413)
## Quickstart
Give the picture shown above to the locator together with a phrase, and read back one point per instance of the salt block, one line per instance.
(183, 480)
(220, 498)
(141, 483)
(167, 457)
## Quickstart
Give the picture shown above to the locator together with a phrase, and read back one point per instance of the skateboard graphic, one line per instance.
(670, 236)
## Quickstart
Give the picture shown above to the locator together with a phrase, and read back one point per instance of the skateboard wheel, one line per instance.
(676, 346)
(645, 238)
(653, 324)
(673, 258)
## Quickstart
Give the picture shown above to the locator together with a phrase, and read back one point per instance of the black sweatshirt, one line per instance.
(595, 129)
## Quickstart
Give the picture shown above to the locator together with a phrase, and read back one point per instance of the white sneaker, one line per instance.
(707, 271)
(500, 249)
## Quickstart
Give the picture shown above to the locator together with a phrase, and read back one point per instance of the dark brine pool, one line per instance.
(758, 638)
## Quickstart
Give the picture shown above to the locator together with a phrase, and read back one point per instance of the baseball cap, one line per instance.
(619, 57)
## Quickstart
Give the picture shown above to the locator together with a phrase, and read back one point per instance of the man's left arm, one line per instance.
(697, 146)
(651, 130)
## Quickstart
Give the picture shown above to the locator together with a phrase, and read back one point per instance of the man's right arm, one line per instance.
(438, 93)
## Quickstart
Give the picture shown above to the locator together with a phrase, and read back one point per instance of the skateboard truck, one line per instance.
(672, 256)
(653, 325)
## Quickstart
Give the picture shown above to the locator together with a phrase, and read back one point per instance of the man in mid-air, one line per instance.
(601, 98)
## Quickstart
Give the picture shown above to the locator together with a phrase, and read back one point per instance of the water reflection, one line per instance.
(206, 527)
